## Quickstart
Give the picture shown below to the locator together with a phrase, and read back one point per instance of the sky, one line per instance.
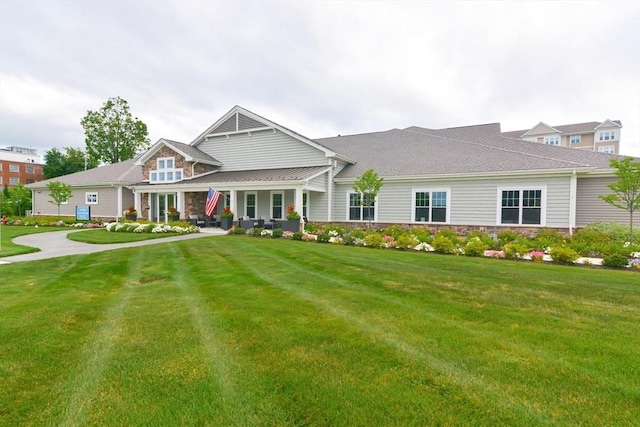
(318, 68)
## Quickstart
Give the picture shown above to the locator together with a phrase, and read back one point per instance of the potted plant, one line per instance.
(173, 214)
(131, 213)
(293, 220)
(226, 219)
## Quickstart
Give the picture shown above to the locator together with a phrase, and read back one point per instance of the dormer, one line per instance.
(608, 130)
(168, 162)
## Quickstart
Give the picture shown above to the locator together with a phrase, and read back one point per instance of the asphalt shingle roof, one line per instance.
(123, 173)
(575, 128)
(262, 175)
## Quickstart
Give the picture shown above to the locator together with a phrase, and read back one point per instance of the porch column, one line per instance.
(233, 200)
(573, 191)
(120, 208)
(180, 203)
(298, 203)
(137, 201)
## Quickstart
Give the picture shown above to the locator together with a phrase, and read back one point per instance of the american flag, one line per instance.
(212, 202)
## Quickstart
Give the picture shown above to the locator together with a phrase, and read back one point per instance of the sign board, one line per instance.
(83, 213)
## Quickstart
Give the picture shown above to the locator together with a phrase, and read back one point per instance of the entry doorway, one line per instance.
(160, 202)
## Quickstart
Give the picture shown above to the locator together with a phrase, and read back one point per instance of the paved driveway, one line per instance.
(55, 244)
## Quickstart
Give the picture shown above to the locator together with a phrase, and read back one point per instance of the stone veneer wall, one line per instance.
(194, 203)
(179, 162)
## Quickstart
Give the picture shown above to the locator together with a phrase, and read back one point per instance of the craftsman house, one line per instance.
(469, 176)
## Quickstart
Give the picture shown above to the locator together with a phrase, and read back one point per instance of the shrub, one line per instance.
(443, 245)
(238, 230)
(407, 241)
(615, 260)
(373, 240)
(422, 234)
(547, 239)
(515, 250)
(475, 247)
(482, 236)
(563, 255)
(323, 238)
(277, 233)
(507, 236)
(395, 231)
(257, 231)
(297, 235)
(448, 234)
(617, 232)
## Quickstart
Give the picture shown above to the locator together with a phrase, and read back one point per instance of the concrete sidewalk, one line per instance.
(55, 244)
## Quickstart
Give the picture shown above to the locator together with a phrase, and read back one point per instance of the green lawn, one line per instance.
(243, 331)
(102, 236)
(8, 248)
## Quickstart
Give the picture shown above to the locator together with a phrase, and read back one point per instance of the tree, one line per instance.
(72, 160)
(368, 185)
(59, 193)
(15, 200)
(626, 191)
(111, 134)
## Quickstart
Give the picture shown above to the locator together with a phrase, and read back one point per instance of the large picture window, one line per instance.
(521, 206)
(430, 206)
(361, 208)
(165, 171)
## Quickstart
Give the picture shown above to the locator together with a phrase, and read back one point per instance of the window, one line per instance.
(14, 180)
(91, 198)
(430, 206)
(607, 135)
(165, 171)
(305, 198)
(608, 149)
(361, 208)
(250, 205)
(276, 205)
(575, 139)
(552, 140)
(522, 207)
(14, 168)
(29, 181)
(30, 169)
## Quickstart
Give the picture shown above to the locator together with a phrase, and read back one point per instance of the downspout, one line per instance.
(573, 191)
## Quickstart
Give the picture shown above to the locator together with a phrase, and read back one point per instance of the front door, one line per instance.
(160, 202)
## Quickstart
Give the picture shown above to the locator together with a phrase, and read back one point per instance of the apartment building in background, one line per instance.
(603, 137)
(20, 165)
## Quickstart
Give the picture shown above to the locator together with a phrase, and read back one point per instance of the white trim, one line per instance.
(271, 205)
(86, 197)
(520, 189)
(375, 208)
(431, 190)
(255, 194)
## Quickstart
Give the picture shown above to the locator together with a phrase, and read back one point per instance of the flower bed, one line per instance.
(591, 248)
(136, 227)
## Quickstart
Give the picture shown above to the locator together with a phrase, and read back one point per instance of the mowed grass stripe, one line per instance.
(382, 328)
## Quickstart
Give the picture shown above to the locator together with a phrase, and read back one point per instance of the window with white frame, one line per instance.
(14, 180)
(552, 140)
(361, 207)
(607, 135)
(575, 139)
(305, 204)
(608, 149)
(14, 168)
(165, 171)
(250, 204)
(430, 206)
(91, 198)
(521, 206)
(277, 208)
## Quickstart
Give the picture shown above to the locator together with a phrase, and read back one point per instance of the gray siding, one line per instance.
(472, 202)
(590, 208)
(319, 181)
(262, 150)
(318, 206)
(107, 206)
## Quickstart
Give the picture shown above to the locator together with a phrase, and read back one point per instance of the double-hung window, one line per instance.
(609, 149)
(361, 207)
(575, 139)
(430, 206)
(14, 168)
(521, 206)
(250, 204)
(277, 205)
(91, 198)
(165, 171)
(607, 135)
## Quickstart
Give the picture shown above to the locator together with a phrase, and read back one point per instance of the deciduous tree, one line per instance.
(626, 191)
(368, 185)
(72, 160)
(112, 134)
(59, 193)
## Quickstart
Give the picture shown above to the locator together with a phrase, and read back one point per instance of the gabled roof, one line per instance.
(573, 129)
(261, 175)
(241, 120)
(191, 154)
(541, 129)
(480, 149)
(121, 173)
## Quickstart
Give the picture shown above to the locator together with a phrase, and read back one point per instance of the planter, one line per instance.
(174, 218)
(131, 217)
(226, 223)
(292, 225)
